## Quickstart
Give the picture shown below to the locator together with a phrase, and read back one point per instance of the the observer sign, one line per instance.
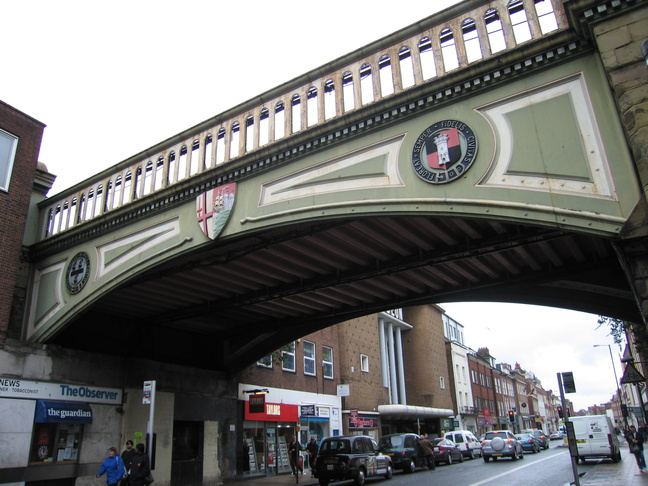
(18, 388)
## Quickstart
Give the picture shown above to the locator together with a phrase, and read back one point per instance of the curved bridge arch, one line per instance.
(358, 216)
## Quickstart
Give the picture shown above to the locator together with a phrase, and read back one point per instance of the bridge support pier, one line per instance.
(633, 255)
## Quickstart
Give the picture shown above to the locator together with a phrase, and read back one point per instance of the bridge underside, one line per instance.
(230, 303)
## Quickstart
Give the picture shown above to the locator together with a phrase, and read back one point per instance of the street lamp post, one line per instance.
(616, 380)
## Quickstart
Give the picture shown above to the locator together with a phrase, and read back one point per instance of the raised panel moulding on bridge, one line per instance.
(372, 167)
(46, 295)
(119, 252)
(563, 153)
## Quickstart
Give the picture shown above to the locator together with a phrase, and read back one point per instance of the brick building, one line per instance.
(20, 140)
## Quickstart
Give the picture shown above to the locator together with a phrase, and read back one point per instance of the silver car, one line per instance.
(501, 443)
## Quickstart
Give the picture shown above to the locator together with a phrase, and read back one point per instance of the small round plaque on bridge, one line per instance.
(78, 273)
(444, 151)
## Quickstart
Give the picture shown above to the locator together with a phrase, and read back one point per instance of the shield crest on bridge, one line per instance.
(213, 208)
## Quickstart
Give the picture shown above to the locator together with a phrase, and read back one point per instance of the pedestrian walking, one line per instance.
(293, 455)
(140, 467)
(312, 449)
(636, 440)
(113, 466)
(127, 456)
(428, 451)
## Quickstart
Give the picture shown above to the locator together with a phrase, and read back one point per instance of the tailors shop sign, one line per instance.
(18, 388)
(356, 421)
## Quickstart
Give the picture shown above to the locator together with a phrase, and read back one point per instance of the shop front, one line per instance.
(46, 422)
(398, 418)
(272, 417)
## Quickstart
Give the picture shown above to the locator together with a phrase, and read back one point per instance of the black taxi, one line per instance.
(351, 457)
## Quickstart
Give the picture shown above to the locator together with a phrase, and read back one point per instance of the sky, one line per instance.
(110, 79)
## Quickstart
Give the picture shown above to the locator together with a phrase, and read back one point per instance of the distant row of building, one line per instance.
(405, 370)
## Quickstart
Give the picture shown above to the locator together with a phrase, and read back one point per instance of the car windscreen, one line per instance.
(335, 445)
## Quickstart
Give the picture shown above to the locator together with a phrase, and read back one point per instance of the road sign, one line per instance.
(568, 382)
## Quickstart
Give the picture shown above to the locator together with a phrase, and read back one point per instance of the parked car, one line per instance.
(404, 451)
(467, 442)
(544, 439)
(446, 451)
(351, 457)
(529, 442)
(501, 443)
(556, 436)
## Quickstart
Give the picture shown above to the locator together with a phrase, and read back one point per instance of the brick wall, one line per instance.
(14, 204)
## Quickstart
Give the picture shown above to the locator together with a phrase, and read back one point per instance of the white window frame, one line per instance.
(265, 362)
(288, 351)
(327, 366)
(364, 363)
(442, 384)
(7, 158)
(309, 359)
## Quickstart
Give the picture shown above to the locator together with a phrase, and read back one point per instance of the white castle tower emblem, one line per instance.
(441, 141)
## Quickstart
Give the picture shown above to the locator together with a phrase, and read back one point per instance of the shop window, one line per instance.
(309, 358)
(327, 362)
(55, 443)
(288, 357)
(8, 144)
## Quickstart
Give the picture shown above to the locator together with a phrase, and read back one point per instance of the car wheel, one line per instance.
(461, 458)
(615, 458)
(514, 457)
(390, 472)
(411, 466)
(360, 478)
(494, 458)
(323, 482)
(486, 458)
(449, 461)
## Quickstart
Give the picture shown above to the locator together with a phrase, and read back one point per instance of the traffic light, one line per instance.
(511, 416)
(568, 412)
(560, 412)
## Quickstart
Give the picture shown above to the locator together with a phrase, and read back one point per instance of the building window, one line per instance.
(364, 363)
(288, 357)
(309, 358)
(327, 362)
(442, 382)
(8, 144)
(266, 361)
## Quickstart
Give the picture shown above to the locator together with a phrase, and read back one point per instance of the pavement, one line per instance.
(605, 473)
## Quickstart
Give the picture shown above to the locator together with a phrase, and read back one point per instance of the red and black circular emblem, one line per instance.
(444, 151)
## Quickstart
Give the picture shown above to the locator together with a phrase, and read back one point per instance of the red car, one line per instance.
(446, 451)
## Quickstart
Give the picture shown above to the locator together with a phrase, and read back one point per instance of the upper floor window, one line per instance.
(8, 145)
(266, 361)
(442, 382)
(364, 363)
(309, 358)
(288, 357)
(327, 362)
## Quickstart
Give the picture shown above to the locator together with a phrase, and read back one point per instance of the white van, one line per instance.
(595, 437)
(467, 442)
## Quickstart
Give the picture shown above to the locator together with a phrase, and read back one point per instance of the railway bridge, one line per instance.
(495, 151)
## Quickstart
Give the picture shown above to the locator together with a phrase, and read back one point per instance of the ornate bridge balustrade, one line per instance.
(422, 53)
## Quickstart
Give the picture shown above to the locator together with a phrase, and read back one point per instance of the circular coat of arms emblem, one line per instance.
(78, 273)
(444, 151)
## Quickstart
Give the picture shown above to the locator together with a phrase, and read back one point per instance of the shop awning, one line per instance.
(410, 411)
(49, 411)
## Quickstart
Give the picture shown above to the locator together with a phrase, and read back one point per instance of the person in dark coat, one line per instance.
(312, 449)
(127, 457)
(635, 442)
(140, 467)
(294, 450)
(428, 451)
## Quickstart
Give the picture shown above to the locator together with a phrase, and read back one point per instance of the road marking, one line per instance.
(510, 471)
